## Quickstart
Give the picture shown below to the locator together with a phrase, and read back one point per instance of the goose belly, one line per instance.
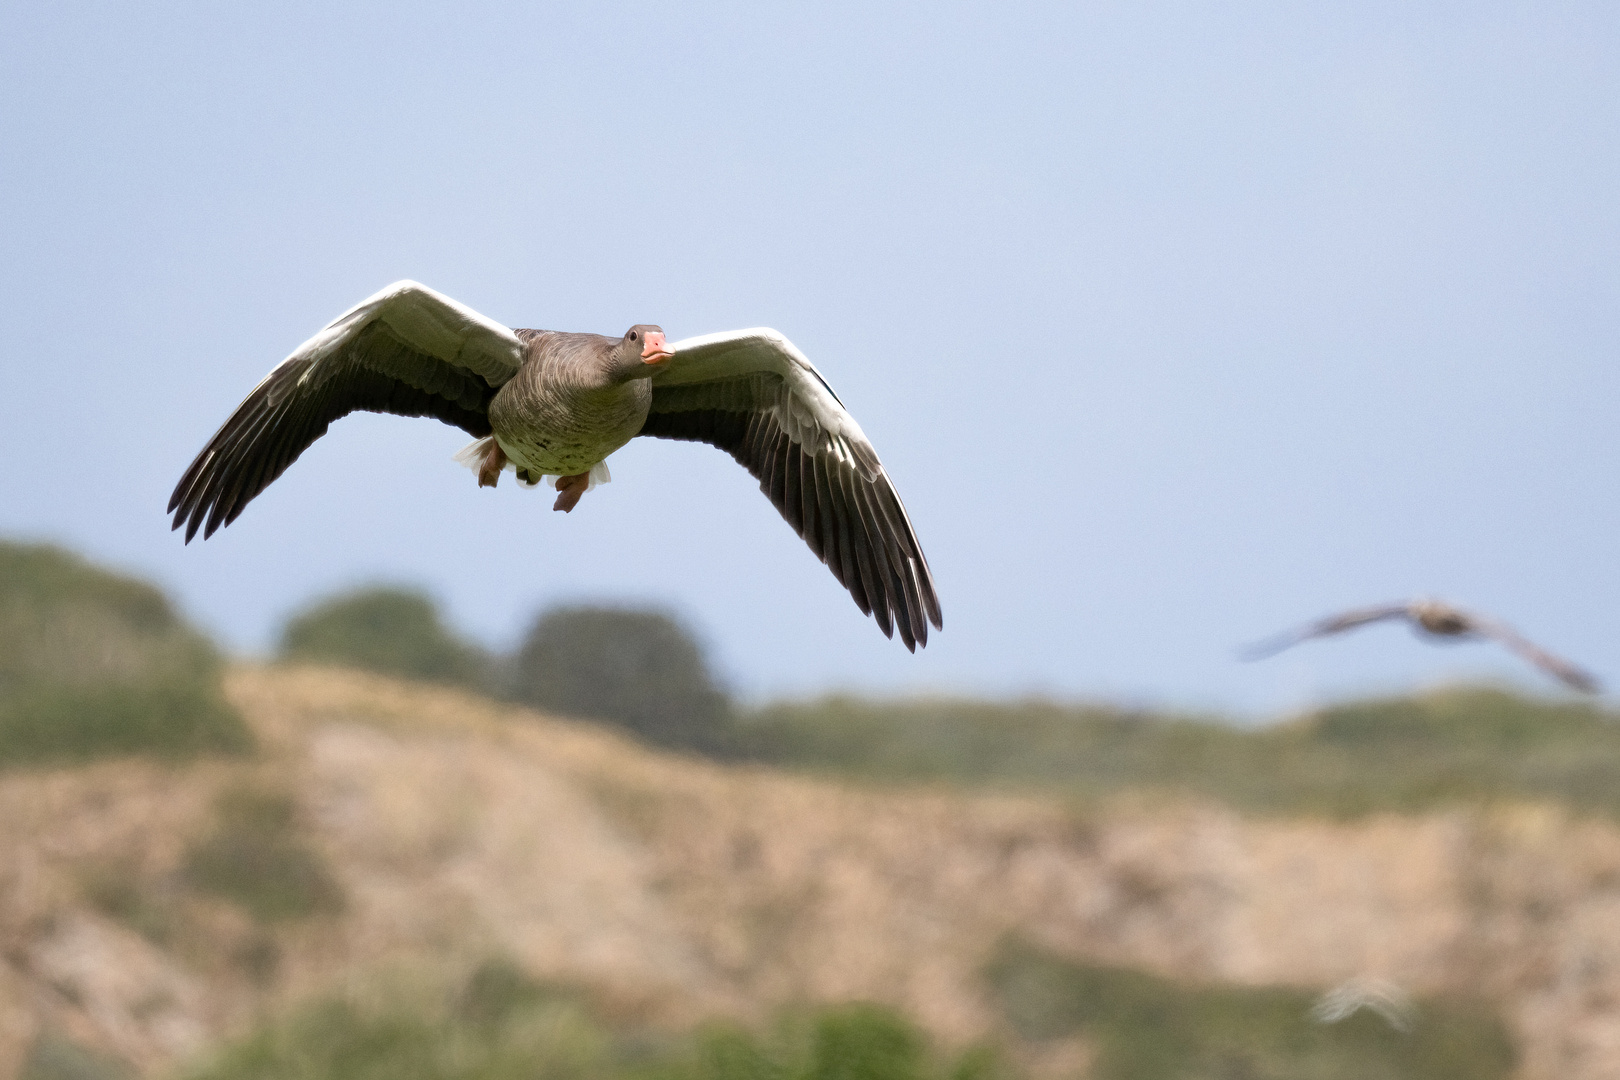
(566, 437)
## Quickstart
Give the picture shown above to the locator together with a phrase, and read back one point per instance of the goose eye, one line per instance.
(632, 335)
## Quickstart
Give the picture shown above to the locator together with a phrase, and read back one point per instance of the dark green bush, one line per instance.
(387, 629)
(257, 859)
(641, 670)
(866, 1042)
(95, 664)
(1148, 1028)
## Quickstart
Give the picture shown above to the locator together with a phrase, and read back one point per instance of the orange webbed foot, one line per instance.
(489, 470)
(569, 489)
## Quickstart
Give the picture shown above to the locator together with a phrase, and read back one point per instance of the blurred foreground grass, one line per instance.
(1142, 1027)
(502, 1025)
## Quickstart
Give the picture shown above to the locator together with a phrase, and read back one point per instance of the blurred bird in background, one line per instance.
(1437, 619)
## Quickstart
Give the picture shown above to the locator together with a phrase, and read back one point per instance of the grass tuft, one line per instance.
(257, 859)
(1148, 1028)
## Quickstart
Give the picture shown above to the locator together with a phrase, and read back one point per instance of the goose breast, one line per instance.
(561, 414)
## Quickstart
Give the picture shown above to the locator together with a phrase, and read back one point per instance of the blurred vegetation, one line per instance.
(257, 859)
(94, 664)
(55, 1057)
(1464, 744)
(118, 890)
(502, 1025)
(387, 629)
(639, 669)
(1143, 1027)
(643, 671)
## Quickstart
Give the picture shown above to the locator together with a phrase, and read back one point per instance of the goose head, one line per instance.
(640, 353)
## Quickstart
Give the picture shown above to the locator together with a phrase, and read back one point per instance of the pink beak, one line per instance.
(655, 351)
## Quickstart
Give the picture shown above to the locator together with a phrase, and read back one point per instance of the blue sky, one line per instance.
(1175, 324)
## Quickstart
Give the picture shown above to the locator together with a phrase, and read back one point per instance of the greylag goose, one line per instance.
(554, 405)
(1438, 619)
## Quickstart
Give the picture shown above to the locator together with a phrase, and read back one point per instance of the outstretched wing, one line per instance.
(1555, 666)
(407, 350)
(1335, 624)
(755, 396)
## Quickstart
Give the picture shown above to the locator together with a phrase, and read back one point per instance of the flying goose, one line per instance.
(545, 404)
(1438, 619)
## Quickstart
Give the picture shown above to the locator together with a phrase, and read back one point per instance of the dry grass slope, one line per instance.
(449, 829)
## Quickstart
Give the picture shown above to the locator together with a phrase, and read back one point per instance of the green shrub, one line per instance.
(866, 1042)
(256, 859)
(503, 1025)
(1148, 1028)
(387, 629)
(95, 664)
(500, 1026)
(641, 670)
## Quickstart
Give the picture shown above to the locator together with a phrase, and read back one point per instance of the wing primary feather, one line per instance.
(917, 584)
(806, 483)
(225, 450)
(778, 451)
(241, 463)
(865, 558)
(888, 500)
(842, 515)
(200, 500)
(211, 450)
(362, 360)
(907, 608)
(184, 486)
(770, 461)
(751, 393)
(896, 557)
(287, 441)
(792, 507)
(902, 563)
(258, 461)
(826, 519)
(252, 459)
(756, 446)
(1335, 624)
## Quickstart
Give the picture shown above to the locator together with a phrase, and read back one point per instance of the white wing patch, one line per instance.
(425, 320)
(805, 407)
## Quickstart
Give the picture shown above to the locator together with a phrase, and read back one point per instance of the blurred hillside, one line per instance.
(405, 835)
(95, 663)
(385, 877)
(645, 672)
(1459, 746)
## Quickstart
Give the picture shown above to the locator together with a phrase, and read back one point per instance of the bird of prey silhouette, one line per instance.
(1438, 619)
